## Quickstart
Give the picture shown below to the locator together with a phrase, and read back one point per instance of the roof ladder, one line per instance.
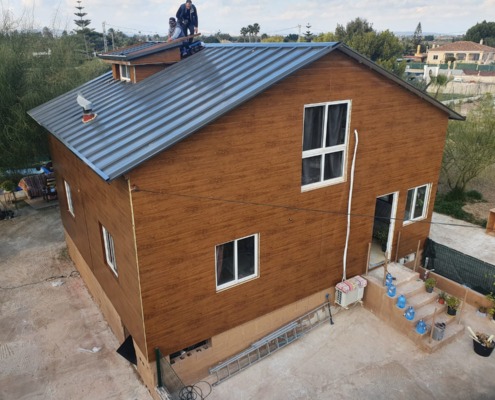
(271, 343)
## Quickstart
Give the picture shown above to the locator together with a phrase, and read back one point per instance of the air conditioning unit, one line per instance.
(350, 291)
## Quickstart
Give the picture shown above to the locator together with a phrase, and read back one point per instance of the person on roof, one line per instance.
(187, 16)
(174, 30)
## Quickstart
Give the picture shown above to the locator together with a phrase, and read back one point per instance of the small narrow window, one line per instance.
(68, 194)
(125, 73)
(236, 261)
(109, 250)
(417, 203)
(324, 144)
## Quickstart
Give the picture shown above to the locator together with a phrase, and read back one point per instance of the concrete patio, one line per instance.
(360, 357)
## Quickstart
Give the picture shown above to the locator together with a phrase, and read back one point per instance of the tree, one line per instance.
(356, 27)
(439, 81)
(482, 30)
(244, 33)
(418, 36)
(29, 76)
(470, 146)
(255, 30)
(81, 23)
(308, 35)
(291, 37)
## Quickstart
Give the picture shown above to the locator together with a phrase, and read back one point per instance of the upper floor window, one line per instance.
(325, 135)
(109, 250)
(417, 203)
(435, 57)
(68, 194)
(125, 72)
(236, 261)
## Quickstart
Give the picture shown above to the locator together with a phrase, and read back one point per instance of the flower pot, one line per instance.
(429, 289)
(451, 311)
(481, 350)
(441, 301)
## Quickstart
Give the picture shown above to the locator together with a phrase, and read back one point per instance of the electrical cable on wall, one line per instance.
(292, 208)
(349, 204)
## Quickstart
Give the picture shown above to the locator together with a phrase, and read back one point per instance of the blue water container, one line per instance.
(389, 279)
(401, 301)
(391, 290)
(409, 314)
(421, 327)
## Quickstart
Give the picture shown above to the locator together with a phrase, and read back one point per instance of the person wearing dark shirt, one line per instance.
(187, 16)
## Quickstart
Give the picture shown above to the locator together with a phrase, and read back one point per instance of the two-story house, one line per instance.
(207, 201)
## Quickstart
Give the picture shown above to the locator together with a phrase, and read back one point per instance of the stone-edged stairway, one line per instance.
(425, 304)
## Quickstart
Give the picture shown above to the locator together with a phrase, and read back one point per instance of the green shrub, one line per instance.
(474, 195)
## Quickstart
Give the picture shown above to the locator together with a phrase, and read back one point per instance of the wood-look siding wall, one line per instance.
(242, 175)
(98, 203)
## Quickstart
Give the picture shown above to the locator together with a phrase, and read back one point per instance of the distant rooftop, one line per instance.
(463, 46)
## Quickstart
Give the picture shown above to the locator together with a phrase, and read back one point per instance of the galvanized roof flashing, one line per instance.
(137, 121)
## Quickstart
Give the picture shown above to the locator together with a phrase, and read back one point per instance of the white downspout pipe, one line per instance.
(351, 185)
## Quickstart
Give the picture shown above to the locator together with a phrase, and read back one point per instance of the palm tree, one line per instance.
(250, 30)
(244, 32)
(256, 30)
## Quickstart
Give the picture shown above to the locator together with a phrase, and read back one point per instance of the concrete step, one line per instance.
(410, 288)
(422, 298)
(452, 331)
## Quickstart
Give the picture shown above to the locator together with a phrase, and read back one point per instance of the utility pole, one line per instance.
(299, 34)
(105, 47)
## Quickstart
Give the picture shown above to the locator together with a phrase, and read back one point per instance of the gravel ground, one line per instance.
(49, 324)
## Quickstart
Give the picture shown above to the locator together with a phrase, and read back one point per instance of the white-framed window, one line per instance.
(68, 194)
(325, 134)
(236, 261)
(417, 203)
(125, 72)
(109, 250)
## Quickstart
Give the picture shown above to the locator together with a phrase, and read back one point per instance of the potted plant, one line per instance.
(7, 186)
(482, 343)
(442, 297)
(430, 284)
(382, 236)
(453, 304)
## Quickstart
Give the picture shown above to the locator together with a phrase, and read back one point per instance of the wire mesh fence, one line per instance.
(459, 267)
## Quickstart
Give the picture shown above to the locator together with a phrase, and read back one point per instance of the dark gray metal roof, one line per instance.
(137, 121)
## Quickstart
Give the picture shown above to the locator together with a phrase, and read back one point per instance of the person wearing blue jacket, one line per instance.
(187, 16)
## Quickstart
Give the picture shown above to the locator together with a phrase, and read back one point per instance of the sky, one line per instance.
(276, 17)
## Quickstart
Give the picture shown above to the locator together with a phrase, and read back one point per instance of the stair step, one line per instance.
(425, 312)
(422, 298)
(452, 331)
(410, 288)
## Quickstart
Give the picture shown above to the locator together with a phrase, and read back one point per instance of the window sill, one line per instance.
(319, 185)
(412, 221)
(231, 285)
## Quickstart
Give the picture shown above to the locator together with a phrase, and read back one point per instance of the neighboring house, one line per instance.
(462, 52)
(206, 205)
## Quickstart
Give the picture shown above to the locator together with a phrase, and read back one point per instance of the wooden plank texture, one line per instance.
(98, 203)
(242, 175)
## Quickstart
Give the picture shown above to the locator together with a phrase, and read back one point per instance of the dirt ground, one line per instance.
(49, 324)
